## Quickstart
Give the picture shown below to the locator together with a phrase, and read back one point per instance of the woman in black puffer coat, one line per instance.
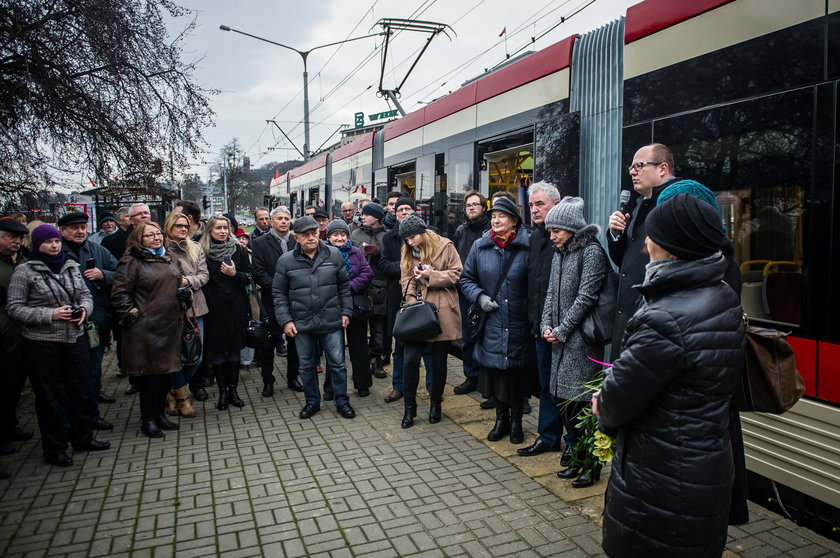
(669, 392)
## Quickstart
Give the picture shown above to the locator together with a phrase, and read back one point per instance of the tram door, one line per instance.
(509, 170)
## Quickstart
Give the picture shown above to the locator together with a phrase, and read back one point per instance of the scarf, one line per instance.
(503, 241)
(159, 252)
(55, 263)
(218, 250)
(345, 251)
(283, 240)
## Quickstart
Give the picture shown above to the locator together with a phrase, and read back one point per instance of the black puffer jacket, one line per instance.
(668, 393)
(312, 293)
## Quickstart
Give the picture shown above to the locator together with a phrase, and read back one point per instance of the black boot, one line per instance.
(165, 424)
(221, 382)
(516, 434)
(410, 413)
(434, 412)
(588, 478)
(502, 426)
(233, 383)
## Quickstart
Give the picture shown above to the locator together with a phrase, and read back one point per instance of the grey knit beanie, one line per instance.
(412, 225)
(337, 225)
(566, 215)
(375, 210)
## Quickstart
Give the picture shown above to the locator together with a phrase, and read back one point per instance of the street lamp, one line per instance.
(303, 54)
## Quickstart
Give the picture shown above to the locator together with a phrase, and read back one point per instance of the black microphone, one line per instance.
(623, 200)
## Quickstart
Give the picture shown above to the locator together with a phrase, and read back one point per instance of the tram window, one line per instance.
(460, 169)
(756, 157)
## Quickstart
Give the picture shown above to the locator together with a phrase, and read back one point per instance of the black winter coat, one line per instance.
(470, 231)
(668, 393)
(629, 255)
(99, 290)
(314, 293)
(389, 263)
(541, 254)
(265, 252)
(227, 302)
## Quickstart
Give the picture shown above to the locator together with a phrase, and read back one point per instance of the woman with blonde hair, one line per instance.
(430, 268)
(227, 303)
(145, 298)
(188, 261)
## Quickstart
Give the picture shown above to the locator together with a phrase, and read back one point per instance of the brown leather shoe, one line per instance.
(393, 396)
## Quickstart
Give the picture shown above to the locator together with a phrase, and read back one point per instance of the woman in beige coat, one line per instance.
(430, 264)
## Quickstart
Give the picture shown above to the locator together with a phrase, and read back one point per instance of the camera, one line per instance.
(76, 312)
(185, 298)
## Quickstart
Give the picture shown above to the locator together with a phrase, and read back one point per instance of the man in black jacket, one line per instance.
(652, 171)
(477, 223)
(266, 250)
(542, 196)
(312, 303)
(98, 267)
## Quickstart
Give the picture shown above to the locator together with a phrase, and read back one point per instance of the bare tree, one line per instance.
(95, 87)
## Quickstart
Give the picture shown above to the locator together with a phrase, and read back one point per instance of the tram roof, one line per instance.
(650, 16)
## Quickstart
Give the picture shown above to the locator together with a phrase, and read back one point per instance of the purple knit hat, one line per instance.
(43, 233)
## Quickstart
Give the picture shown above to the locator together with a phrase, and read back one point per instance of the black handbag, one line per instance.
(362, 306)
(191, 345)
(597, 326)
(476, 317)
(257, 332)
(417, 321)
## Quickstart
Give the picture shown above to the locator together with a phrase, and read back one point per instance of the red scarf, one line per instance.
(502, 241)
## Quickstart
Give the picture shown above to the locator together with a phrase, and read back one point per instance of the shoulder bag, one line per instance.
(769, 381)
(476, 317)
(191, 345)
(417, 321)
(597, 327)
(362, 306)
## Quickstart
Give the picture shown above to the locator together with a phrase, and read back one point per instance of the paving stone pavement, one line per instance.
(259, 481)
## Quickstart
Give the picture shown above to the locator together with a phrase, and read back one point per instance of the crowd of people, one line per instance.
(320, 286)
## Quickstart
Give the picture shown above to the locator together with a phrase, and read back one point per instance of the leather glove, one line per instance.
(371, 250)
(486, 303)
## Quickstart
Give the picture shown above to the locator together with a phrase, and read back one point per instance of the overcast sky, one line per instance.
(259, 81)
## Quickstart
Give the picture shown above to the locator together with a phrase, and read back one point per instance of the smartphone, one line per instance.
(90, 264)
(227, 260)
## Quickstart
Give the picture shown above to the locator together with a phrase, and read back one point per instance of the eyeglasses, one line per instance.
(473, 205)
(153, 235)
(641, 164)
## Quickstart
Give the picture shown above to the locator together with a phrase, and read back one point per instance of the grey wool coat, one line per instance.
(577, 272)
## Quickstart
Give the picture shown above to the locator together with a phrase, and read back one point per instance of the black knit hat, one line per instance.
(72, 218)
(234, 224)
(405, 200)
(106, 216)
(506, 206)
(374, 210)
(685, 226)
(412, 225)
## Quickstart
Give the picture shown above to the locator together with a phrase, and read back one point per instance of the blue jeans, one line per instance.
(467, 343)
(550, 422)
(333, 345)
(397, 373)
(183, 376)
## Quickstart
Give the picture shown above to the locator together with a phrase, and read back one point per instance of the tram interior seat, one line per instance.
(772, 290)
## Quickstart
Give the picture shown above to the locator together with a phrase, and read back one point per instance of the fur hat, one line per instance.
(685, 226)
(412, 225)
(566, 215)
